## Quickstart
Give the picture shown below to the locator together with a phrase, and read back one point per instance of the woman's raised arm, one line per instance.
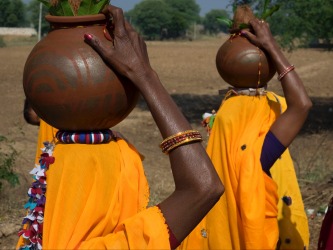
(197, 185)
(287, 126)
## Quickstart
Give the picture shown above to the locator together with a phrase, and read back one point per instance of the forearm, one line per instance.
(198, 188)
(197, 185)
(298, 101)
(165, 112)
(292, 85)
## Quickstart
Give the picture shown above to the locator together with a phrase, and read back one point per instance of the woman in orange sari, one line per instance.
(96, 194)
(251, 131)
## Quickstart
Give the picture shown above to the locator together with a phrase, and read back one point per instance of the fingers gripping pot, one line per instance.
(239, 62)
(67, 83)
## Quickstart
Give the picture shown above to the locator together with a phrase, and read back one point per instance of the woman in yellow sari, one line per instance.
(96, 193)
(251, 131)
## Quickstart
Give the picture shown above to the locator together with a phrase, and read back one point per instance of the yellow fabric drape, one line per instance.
(97, 198)
(246, 216)
(293, 221)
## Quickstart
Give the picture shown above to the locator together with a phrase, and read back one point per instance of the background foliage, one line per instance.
(160, 19)
(12, 13)
(304, 23)
(297, 23)
(8, 157)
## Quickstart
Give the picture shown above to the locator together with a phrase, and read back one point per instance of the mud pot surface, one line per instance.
(187, 69)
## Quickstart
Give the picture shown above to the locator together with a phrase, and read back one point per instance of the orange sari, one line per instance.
(97, 198)
(250, 212)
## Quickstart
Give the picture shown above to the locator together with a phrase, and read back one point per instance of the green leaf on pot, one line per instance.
(244, 26)
(265, 5)
(85, 7)
(268, 12)
(46, 3)
(63, 8)
(92, 7)
(226, 21)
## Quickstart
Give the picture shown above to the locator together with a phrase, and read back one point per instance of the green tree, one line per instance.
(240, 2)
(159, 19)
(20, 12)
(150, 17)
(12, 20)
(12, 13)
(188, 9)
(33, 9)
(177, 26)
(4, 4)
(8, 156)
(184, 13)
(303, 23)
(298, 22)
(235, 3)
(211, 22)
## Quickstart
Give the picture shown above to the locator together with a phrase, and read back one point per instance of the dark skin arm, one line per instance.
(288, 125)
(197, 185)
(29, 114)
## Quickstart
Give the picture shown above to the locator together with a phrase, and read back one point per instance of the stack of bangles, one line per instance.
(286, 71)
(179, 139)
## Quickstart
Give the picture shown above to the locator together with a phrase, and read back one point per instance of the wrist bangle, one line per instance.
(286, 71)
(180, 139)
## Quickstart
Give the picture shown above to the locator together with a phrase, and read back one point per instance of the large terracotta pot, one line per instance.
(239, 62)
(69, 85)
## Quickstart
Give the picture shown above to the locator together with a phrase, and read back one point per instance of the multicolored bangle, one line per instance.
(286, 71)
(86, 137)
(180, 139)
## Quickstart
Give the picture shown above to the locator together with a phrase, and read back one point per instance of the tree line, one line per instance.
(296, 23)
(12, 13)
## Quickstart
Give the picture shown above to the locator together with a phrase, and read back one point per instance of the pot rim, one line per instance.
(74, 19)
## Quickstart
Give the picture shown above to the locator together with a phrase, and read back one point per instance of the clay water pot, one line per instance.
(243, 65)
(67, 83)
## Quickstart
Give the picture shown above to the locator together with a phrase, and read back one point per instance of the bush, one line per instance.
(2, 42)
(7, 161)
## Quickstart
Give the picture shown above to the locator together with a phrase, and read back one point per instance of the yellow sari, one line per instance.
(97, 198)
(292, 220)
(250, 214)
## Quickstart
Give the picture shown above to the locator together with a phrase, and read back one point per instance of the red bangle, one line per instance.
(286, 71)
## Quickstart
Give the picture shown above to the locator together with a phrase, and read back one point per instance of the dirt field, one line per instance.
(187, 69)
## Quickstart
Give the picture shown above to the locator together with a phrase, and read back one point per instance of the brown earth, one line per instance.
(188, 71)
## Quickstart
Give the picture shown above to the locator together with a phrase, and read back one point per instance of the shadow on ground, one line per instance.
(320, 118)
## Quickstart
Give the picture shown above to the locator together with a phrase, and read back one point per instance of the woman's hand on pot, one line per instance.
(127, 53)
(262, 36)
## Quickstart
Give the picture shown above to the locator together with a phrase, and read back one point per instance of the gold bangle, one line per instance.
(176, 145)
(178, 134)
(178, 139)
